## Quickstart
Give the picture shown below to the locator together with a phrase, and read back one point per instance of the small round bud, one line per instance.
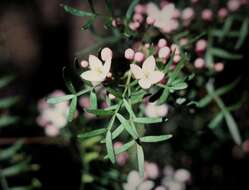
(164, 52)
(222, 13)
(139, 56)
(129, 54)
(138, 18)
(188, 14)
(134, 25)
(176, 58)
(106, 54)
(207, 15)
(201, 46)
(162, 43)
(84, 64)
(139, 9)
(109, 75)
(218, 67)
(150, 20)
(233, 5)
(199, 63)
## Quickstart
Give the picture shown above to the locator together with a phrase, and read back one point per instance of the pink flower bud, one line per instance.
(218, 67)
(147, 45)
(175, 48)
(138, 18)
(151, 170)
(134, 25)
(199, 63)
(194, 1)
(129, 54)
(84, 102)
(164, 52)
(183, 41)
(139, 9)
(201, 46)
(139, 56)
(245, 146)
(109, 75)
(123, 157)
(150, 20)
(176, 14)
(84, 64)
(162, 43)
(188, 14)
(106, 54)
(177, 59)
(207, 15)
(233, 5)
(222, 13)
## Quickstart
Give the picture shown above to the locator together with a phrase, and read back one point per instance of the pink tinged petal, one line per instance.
(147, 185)
(145, 83)
(107, 66)
(94, 62)
(136, 71)
(92, 76)
(134, 179)
(149, 64)
(156, 77)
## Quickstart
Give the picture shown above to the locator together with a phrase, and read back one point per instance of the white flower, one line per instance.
(134, 182)
(154, 110)
(147, 75)
(164, 18)
(98, 71)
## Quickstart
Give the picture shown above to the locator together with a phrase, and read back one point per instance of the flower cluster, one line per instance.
(52, 117)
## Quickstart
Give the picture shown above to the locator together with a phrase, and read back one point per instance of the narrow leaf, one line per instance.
(100, 112)
(131, 9)
(59, 99)
(93, 100)
(155, 138)
(148, 120)
(109, 147)
(91, 134)
(221, 53)
(140, 157)
(77, 12)
(72, 109)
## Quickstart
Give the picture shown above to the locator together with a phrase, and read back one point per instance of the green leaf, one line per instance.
(233, 127)
(93, 133)
(67, 81)
(100, 112)
(88, 24)
(117, 131)
(164, 96)
(109, 6)
(15, 169)
(4, 81)
(10, 151)
(216, 121)
(243, 34)
(221, 53)
(77, 12)
(59, 99)
(148, 120)
(204, 101)
(109, 147)
(124, 148)
(155, 138)
(8, 102)
(128, 108)
(227, 27)
(131, 9)
(114, 92)
(140, 158)
(127, 126)
(7, 120)
(179, 86)
(93, 100)
(72, 109)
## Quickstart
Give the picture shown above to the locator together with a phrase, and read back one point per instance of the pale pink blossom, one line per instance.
(84, 102)
(182, 175)
(233, 5)
(183, 41)
(154, 110)
(150, 20)
(163, 17)
(140, 9)
(188, 14)
(51, 130)
(160, 188)
(129, 54)
(147, 75)
(134, 25)
(176, 58)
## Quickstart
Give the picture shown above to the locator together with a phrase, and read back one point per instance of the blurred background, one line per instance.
(37, 39)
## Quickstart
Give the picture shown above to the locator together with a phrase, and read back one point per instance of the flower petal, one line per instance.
(153, 10)
(92, 76)
(156, 76)
(107, 66)
(149, 64)
(136, 71)
(94, 62)
(168, 11)
(134, 179)
(144, 83)
(146, 185)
